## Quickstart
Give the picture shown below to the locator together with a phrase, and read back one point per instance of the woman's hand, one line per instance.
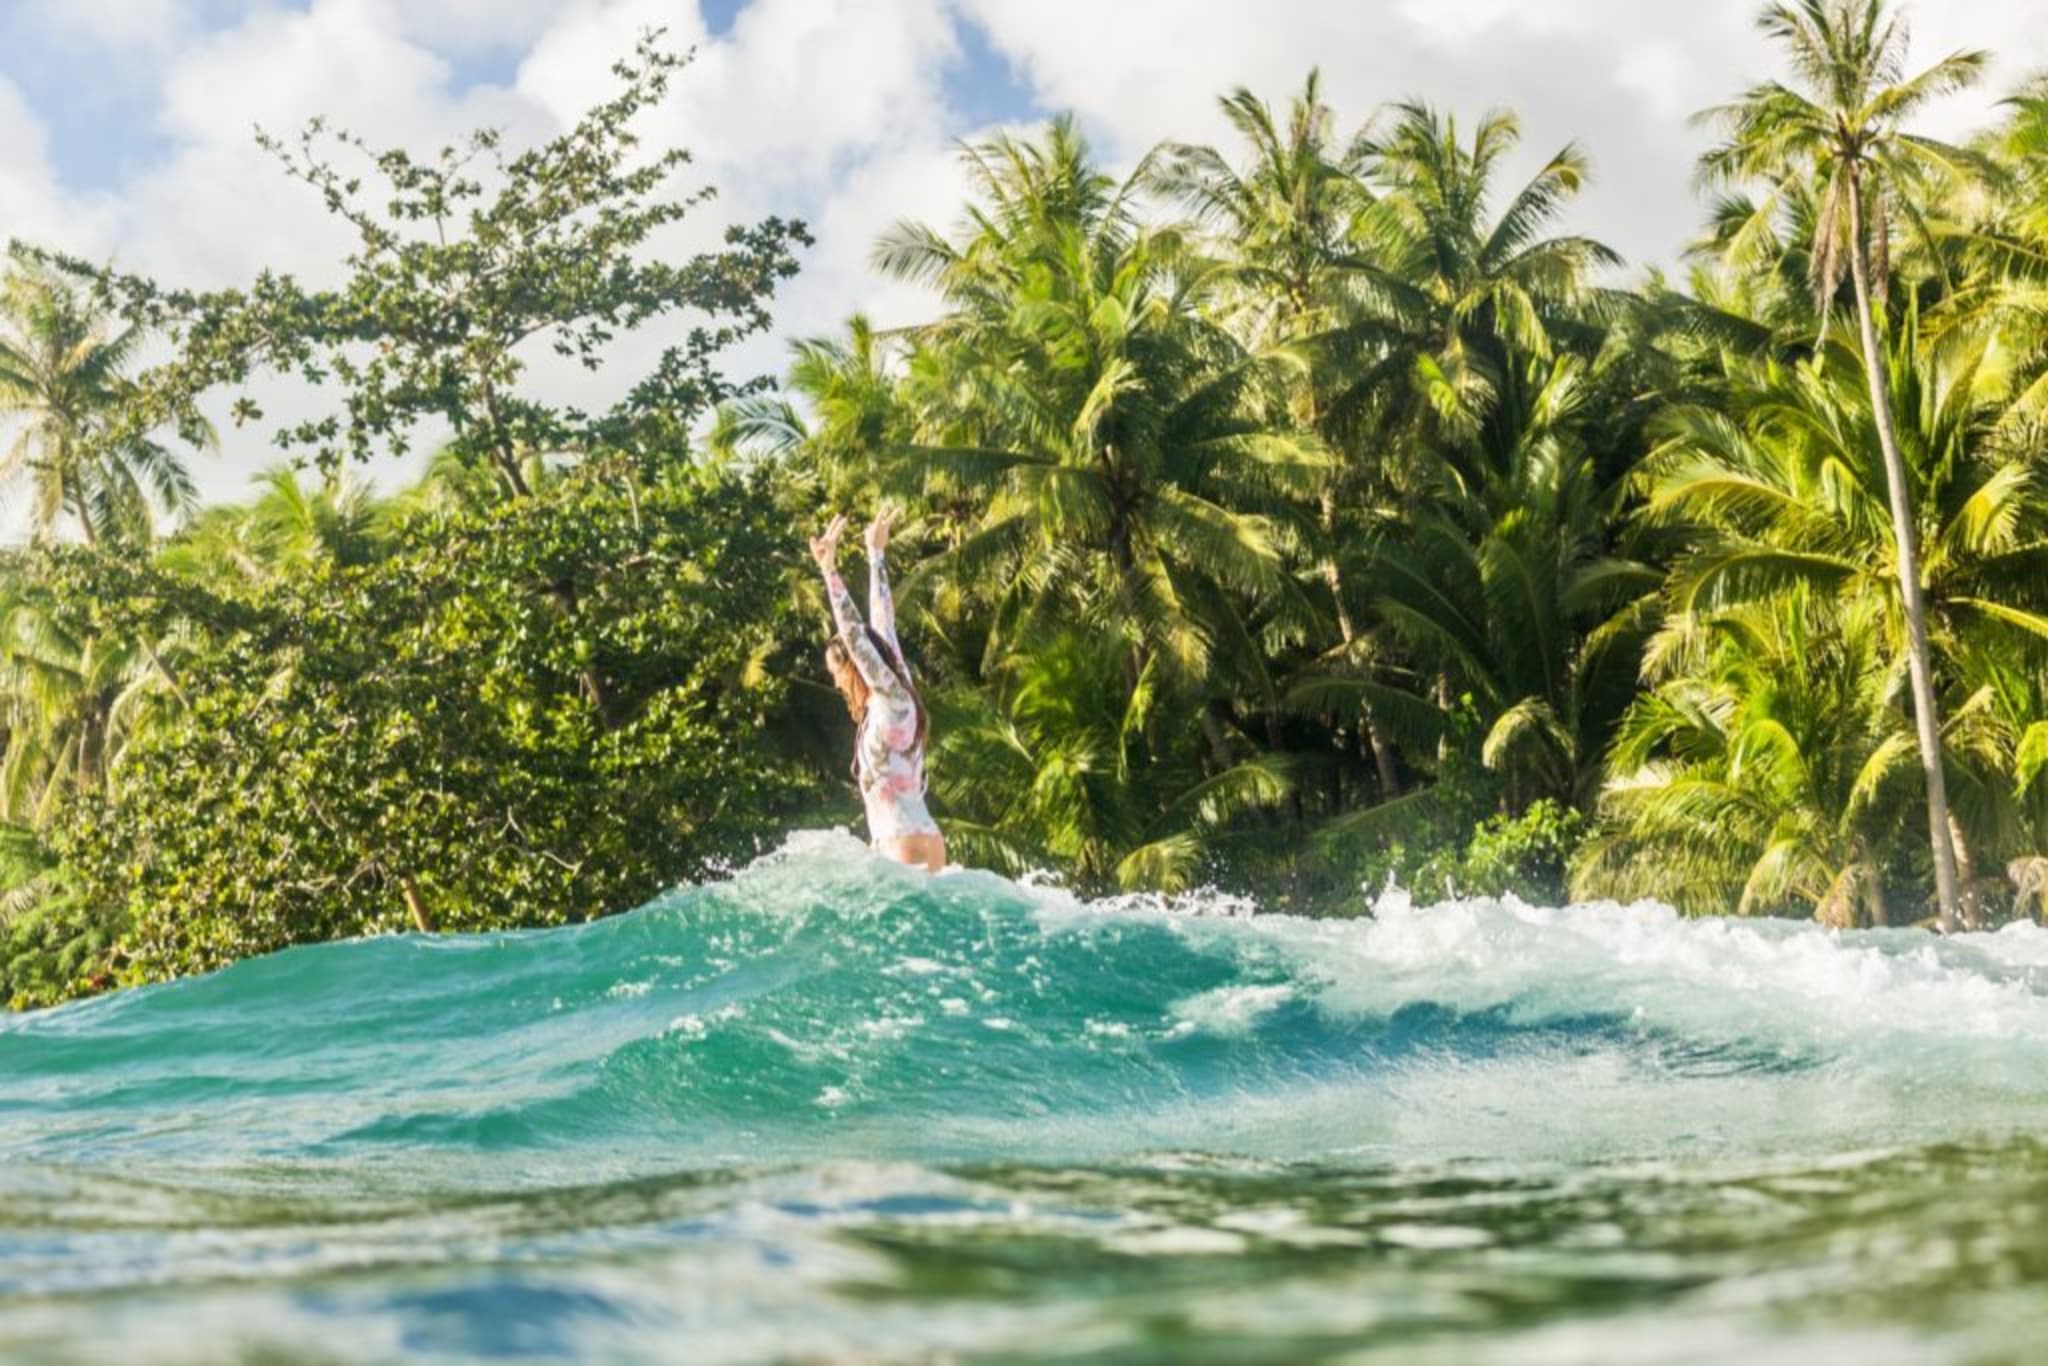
(878, 530)
(825, 548)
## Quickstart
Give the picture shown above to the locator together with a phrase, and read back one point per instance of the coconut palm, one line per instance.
(1461, 289)
(1113, 430)
(1841, 125)
(61, 364)
(71, 700)
(1760, 770)
(1285, 220)
(1050, 766)
(2003, 242)
(1284, 226)
(1378, 260)
(1997, 742)
(1506, 588)
(288, 527)
(1787, 486)
(850, 409)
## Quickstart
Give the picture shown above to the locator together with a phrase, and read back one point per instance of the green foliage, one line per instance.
(1762, 772)
(1837, 133)
(1458, 837)
(1057, 766)
(53, 940)
(419, 740)
(1524, 854)
(529, 690)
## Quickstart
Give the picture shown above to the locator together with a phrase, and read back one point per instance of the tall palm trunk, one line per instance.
(1919, 663)
(415, 904)
(1333, 578)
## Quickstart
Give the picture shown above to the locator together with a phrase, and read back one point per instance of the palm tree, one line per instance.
(1050, 765)
(1505, 591)
(2004, 250)
(1782, 484)
(1507, 585)
(288, 526)
(1840, 126)
(1456, 319)
(1998, 742)
(1377, 262)
(60, 376)
(69, 700)
(1462, 291)
(1114, 432)
(1285, 220)
(851, 409)
(1284, 226)
(1758, 770)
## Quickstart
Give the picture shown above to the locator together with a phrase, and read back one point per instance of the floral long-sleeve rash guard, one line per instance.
(889, 757)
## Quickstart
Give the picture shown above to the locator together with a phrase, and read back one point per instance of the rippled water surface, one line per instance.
(832, 1109)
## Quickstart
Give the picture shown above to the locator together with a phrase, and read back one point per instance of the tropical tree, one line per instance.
(1118, 436)
(851, 409)
(410, 741)
(1376, 262)
(1284, 220)
(1049, 766)
(71, 694)
(2001, 240)
(1784, 484)
(62, 376)
(1461, 290)
(466, 263)
(1758, 773)
(1510, 588)
(290, 525)
(1283, 226)
(1841, 124)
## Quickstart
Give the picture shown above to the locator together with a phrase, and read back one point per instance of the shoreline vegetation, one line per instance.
(1290, 515)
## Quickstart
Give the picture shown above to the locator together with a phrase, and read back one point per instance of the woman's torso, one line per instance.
(891, 764)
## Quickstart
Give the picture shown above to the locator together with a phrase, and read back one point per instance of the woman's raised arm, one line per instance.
(825, 550)
(877, 671)
(881, 606)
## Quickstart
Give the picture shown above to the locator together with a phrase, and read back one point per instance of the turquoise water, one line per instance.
(831, 1109)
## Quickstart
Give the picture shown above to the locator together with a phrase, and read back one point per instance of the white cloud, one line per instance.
(341, 58)
(827, 110)
(568, 67)
(846, 127)
(34, 205)
(465, 27)
(134, 28)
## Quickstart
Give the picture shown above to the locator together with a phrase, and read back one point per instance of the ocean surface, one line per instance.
(834, 1110)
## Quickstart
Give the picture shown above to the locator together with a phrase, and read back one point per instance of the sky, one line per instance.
(126, 125)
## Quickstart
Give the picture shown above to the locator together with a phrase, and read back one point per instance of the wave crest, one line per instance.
(823, 1002)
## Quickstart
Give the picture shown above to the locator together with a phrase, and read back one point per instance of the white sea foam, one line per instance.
(1779, 982)
(1231, 1010)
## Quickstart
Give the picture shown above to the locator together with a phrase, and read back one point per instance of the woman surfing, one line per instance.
(890, 724)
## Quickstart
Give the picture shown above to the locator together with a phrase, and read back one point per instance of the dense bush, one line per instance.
(538, 712)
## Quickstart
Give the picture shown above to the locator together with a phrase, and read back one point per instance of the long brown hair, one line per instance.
(854, 688)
